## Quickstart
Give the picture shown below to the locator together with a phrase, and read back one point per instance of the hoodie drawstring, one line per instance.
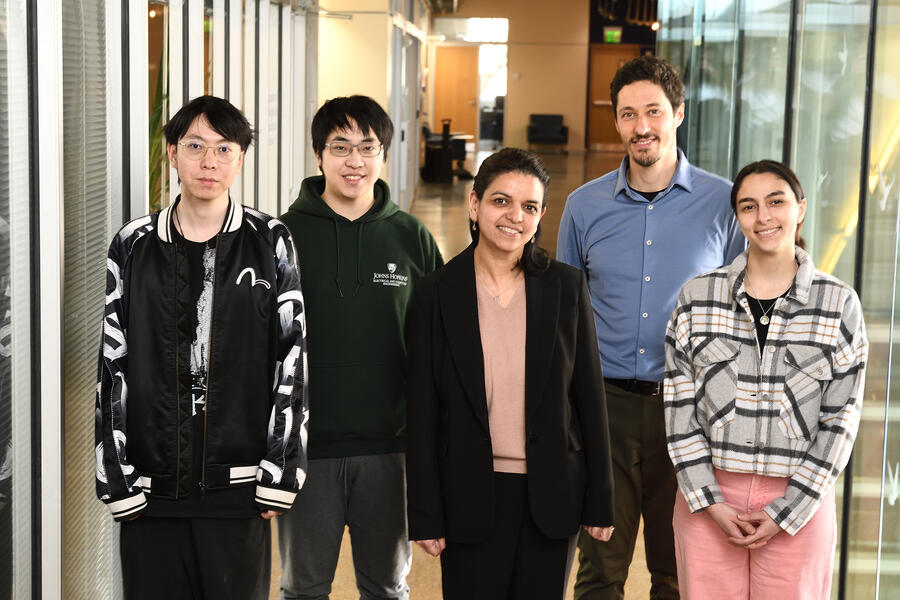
(337, 249)
(337, 262)
(358, 257)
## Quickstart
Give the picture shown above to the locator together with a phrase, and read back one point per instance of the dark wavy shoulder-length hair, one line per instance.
(535, 259)
(779, 170)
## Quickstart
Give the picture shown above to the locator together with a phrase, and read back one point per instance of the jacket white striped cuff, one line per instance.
(274, 498)
(124, 509)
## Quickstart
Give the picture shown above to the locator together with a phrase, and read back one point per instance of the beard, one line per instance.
(643, 157)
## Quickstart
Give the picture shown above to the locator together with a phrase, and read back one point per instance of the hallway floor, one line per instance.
(442, 207)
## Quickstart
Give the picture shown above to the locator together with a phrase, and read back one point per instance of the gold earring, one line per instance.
(474, 227)
(532, 239)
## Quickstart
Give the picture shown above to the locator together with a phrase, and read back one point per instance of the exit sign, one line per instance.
(612, 35)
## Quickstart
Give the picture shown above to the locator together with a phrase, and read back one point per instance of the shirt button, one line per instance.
(761, 445)
(650, 207)
(649, 242)
(641, 351)
(647, 278)
(644, 315)
(765, 396)
(771, 349)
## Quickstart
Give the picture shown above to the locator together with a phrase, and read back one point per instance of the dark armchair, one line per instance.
(547, 129)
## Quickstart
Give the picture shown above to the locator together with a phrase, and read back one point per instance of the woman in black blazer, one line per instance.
(500, 471)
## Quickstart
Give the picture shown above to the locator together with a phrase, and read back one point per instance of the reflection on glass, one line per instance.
(158, 73)
(6, 441)
(828, 124)
(874, 560)
(762, 81)
(733, 59)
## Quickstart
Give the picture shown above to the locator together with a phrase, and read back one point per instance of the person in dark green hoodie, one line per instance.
(360, 256)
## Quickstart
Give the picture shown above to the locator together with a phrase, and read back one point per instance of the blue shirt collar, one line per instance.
(682, 177)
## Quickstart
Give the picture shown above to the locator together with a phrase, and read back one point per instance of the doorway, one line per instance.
(456, 88)
(605, 60)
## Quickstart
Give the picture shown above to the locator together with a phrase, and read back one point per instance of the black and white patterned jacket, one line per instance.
(791, 412)
(256, 400)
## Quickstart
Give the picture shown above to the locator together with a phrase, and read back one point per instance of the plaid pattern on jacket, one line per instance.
(792, 411)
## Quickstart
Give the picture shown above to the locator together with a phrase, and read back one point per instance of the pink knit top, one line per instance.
(503, 344)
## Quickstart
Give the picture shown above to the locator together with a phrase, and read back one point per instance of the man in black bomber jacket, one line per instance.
(201, 409)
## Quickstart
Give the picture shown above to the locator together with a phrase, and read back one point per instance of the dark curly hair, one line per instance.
(652, 69)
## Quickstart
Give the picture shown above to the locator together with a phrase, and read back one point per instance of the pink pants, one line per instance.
(788, 567)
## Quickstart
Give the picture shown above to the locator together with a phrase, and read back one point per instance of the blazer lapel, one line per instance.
(459, 310)
(541, 315)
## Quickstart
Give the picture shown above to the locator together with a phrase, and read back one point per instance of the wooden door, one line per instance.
(605, 61)
(456, 88)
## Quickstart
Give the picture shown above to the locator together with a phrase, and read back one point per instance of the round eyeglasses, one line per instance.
(224, 153)
(367, 149)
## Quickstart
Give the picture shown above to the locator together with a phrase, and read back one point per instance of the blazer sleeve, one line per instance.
(590, 402)
(423, 489)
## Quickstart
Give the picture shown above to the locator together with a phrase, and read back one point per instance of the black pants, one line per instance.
(645, 487)
(196, 559)
(516, 562)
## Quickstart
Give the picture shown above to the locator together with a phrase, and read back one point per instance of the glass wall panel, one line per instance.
(761, 81)
(874, 566)
(828, 124)
(733, 57)
(90, 549)
(15, 314)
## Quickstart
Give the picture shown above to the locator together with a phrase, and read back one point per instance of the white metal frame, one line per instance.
(138, 107)
(263, 199)
(296, 100)
(50, 210)
(287, 114)
(236, 80)
(249, 101)
(218, 51)
(194, 51)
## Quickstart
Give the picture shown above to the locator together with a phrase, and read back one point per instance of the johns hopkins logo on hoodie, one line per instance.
(391, 278)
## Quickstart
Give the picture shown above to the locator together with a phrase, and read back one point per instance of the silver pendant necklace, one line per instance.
(764, 319)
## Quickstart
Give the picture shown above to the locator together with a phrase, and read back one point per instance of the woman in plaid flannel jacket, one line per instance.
(762, 402)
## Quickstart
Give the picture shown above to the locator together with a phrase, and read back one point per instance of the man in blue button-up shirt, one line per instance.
(640, 233)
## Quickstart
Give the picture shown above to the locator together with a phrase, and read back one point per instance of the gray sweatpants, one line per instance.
(366, 493)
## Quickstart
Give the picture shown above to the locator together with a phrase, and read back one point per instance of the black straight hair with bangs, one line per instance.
(342, 112)
(222, 116)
